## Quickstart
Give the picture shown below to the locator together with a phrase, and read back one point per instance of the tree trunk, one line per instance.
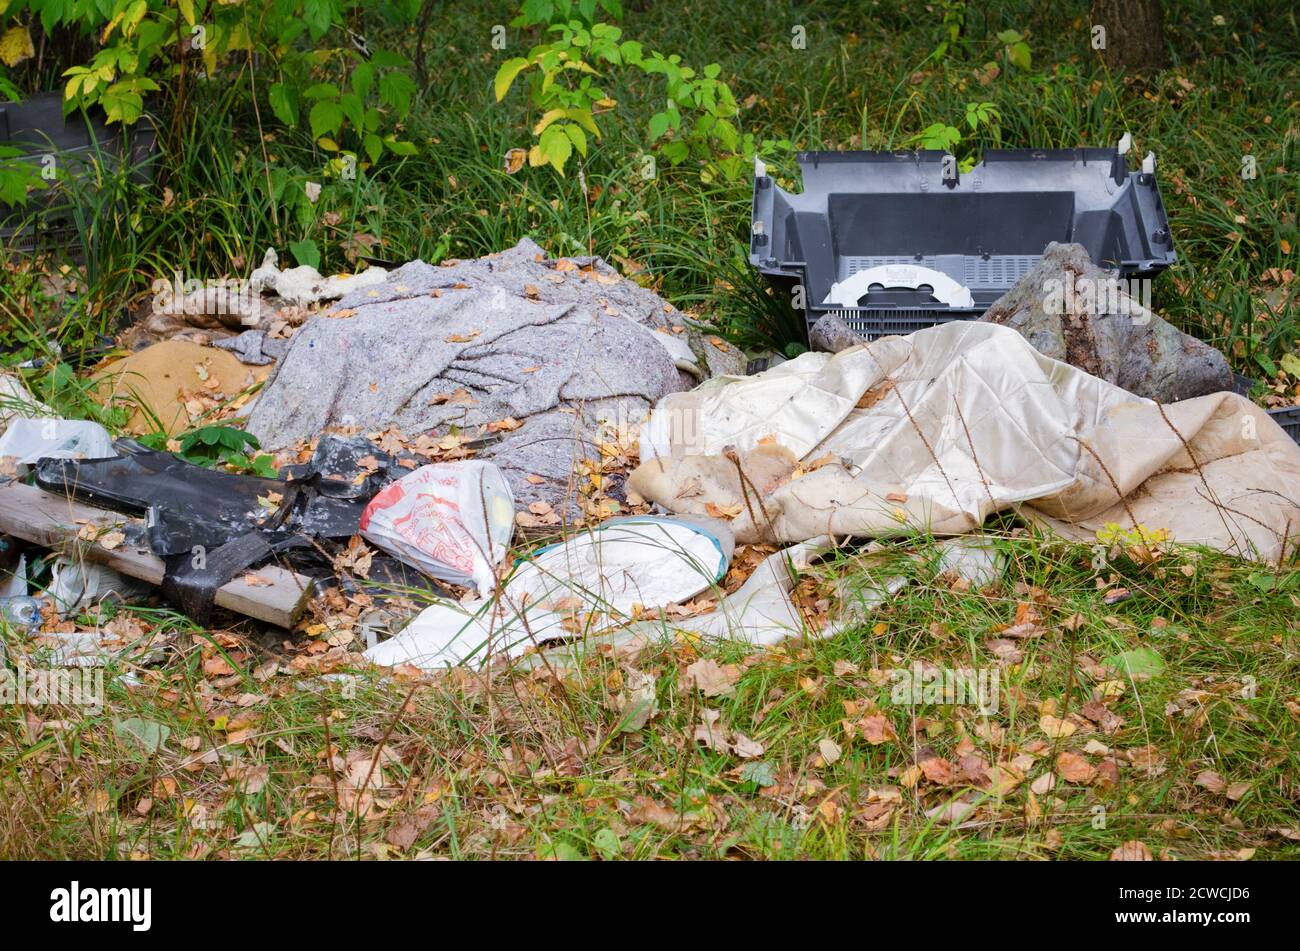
(1135, 35)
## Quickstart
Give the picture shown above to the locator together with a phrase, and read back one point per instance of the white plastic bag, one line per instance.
(29, 440)
(451, 520)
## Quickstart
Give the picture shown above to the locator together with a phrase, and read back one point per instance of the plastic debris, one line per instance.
(452, 520)
(938, 430)
(76, 585)
(17, 402)
(598, 578)
(27, 441)
(22, 612)
(305, 285)
(892, 242)
(208, 525)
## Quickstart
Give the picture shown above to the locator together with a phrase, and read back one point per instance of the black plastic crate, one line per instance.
(892, 242)
(1289, 419)
(38, 127)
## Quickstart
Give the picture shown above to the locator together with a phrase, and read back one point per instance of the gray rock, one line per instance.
(831, 335)
(568, 349)
(1132, 348)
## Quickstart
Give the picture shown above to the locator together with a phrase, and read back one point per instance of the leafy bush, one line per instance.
(349, 96)
(698, 120)
(224, 445)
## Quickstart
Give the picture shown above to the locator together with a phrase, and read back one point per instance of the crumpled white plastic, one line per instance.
(937, 430)
(596, 579)
(29, 440)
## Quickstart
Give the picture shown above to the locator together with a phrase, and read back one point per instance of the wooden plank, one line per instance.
(53, 521)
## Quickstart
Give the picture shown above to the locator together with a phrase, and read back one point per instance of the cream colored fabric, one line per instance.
(939, 429)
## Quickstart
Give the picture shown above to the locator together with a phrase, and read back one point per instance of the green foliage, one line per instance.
(698, 119)
(348, 96)
(220, 445)
(546, 12)
(1015, 49)
(954, 25)
(947, 138)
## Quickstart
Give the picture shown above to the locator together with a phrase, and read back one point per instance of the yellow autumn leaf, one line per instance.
(16, 46)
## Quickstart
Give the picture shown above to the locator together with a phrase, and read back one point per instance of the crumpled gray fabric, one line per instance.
(566, 351)
(254, 347)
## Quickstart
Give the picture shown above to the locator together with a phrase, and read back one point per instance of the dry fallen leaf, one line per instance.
(1055, 727)
(514, 160)
(1131, 851)
(1211, 780)
(111, 540)
(723, 511)
(712, 679)
(1075, 769)
(830, 750)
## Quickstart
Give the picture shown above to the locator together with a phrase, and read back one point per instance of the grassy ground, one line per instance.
(239, 742)
(1169, 718)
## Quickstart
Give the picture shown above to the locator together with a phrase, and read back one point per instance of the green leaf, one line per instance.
(658, 125)
(318, 15)
(306, 252)
(506, 75)
(556, 147)
(283, 105)
(1291, 365)
(363, 78)
(321, 91)
(148, 735)
(398, 147)
(607, 844)
(396, 90)
(577, 136)
(325, 117)
(1139, 662)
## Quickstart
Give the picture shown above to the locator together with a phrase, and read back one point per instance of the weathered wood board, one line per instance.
(53, 521)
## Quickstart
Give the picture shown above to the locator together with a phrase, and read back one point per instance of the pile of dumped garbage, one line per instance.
(485, 458)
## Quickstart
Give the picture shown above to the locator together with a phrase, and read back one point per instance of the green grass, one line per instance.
(263, 758)
(534, 763)
(868, 78)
